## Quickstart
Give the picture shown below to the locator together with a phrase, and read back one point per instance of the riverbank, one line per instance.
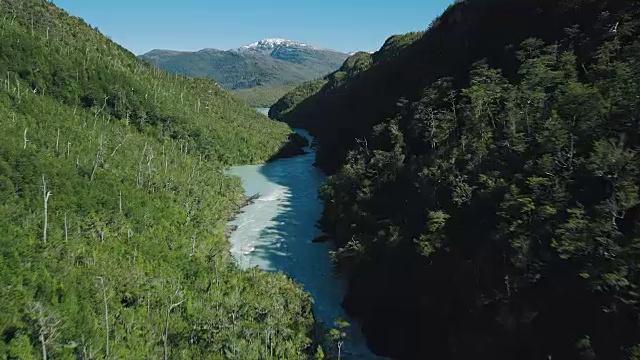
(276, 232)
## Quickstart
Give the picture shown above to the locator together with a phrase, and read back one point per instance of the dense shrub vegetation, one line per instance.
(262, 96)
(485, 196)
(292, 106)
(114, 205)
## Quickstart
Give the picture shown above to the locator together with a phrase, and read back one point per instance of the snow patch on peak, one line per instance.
(269, 44)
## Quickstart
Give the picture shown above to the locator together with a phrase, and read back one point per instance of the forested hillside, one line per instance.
(485, 196)
(231, 69)
(310, 105)
(258, 74)
(292, 106)
(114, 205)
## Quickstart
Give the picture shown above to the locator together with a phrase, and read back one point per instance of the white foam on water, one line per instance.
(276, 233)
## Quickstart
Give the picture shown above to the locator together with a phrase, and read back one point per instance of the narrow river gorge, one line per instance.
(276, 232)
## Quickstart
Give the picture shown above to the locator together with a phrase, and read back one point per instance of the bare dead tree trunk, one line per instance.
(25, 138)
(46, 194)
(571, 152)
(119, 145)
(164, 157)
(120, 202)
(149, 160)
(98, 111)
(139, 178)
(57, 141)
(106, 314)
(614, 29)
(188, 210)
(98, 159)
(165, 336)
(193, 244)
(44, 346)
(48, 325)
(66, 228)
(193, 172)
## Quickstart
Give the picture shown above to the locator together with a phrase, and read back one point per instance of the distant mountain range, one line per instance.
(260, 72)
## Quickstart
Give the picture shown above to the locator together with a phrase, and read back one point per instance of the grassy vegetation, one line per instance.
(262, 96)
(294, 97)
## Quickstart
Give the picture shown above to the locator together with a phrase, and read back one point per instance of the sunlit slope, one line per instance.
(114, 205)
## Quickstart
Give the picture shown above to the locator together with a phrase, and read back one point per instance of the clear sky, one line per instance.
(344, 25)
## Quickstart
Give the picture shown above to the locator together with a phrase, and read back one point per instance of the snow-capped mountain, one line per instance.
(271, 44)
(272, 63)
(295, 52)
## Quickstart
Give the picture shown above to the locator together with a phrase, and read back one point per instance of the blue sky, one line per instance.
(345, 25)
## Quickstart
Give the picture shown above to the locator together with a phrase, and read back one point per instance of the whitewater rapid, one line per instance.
(276, 232)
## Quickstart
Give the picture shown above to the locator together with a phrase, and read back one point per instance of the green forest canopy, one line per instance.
(485, 196)
(114, 206)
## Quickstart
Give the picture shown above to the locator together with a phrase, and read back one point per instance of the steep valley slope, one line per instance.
(484, 197)
(114, 206)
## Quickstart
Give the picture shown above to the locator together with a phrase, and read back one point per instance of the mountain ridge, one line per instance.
(272, 43)
(271, 65)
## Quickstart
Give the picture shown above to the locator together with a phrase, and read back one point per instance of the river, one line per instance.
(275, 233)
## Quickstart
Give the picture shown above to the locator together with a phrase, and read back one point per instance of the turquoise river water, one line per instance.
(275, 233)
